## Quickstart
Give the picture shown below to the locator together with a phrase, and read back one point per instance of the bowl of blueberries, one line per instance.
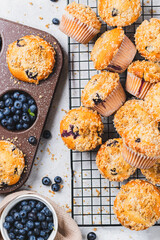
(29, 217)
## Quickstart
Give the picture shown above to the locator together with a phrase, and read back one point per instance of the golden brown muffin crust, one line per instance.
(137, 205)
(111, 163)
(30, 59)
(99, 88)
(81, 129)
(119, 12)
(11, 163)
(153, 174)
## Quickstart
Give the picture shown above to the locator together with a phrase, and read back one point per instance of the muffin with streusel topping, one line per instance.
(113, 51)
(137, 205)
(12, 163)
(141, 75)
(153, 174)
(30, 59)
(80, 22)
(104, 93)
(81, 129)
(147, 39)
(111, 163)
(119, 13)
(152, 100)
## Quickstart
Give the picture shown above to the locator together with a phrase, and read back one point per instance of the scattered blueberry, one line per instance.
(91, 236)
(58, 179)
(46, 181)
(55, 21)
(32, 140)
(46, 134)
(55, 187)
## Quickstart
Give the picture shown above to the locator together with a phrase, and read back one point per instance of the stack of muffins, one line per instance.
(137, 205)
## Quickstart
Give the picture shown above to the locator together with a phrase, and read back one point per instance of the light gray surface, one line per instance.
(25, 13)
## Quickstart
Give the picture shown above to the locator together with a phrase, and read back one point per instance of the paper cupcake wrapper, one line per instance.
(77, 30)
(112, 103)
(123, 57)
(136, 159)
(137, 86)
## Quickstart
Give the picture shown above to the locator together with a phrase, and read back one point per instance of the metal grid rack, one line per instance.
(92, 195)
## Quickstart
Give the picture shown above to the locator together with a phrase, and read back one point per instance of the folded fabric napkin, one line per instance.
(67, 227)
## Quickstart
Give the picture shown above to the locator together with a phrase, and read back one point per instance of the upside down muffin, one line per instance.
(81, 129)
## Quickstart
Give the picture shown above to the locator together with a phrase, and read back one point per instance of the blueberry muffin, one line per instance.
(152, 100)
(147, 39)
(137, 205)
(153, 174)
(104, 93)
(80, 22)
(12, 163)
(111, 163)
(30, 59)
(81, 129)
(113, 51)
(119, 13)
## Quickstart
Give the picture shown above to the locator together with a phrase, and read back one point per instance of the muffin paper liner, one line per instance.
(112, 103)
(123, 57)
(136, 159)
(137, 86)
(77, 30)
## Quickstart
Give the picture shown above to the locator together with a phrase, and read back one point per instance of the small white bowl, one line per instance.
(28, 197)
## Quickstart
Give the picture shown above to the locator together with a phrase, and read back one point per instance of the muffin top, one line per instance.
(30, 59)
(84, 13)
(111, 163)
(152, 100)
(81, 129)
(12, 163)
(106, 47)
(147, 39)
(137, 205)
(149, 71)
(130, 114)
(98, 88)
(119, 12)
(153, 174)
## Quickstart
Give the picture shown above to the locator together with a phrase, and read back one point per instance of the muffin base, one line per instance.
(136, 159)
(112, 103)
(137, 86)
(123, 57)
(77, 30)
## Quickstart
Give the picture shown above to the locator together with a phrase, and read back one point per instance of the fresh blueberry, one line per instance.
(12, 212)
(32, 118)
(42, 233)
(1, 115)
(44, 225)
(6, 111)
(18, 112)
(26, 118)
(34, 210)
(31, 101)
(22, 232)
(16, 216)
(47, 212)
(23, 213)
(32, 140)
(24, 220)
(58, 179)
(9, 102)
(15, 223)
(46, 134)
(32, 216)
(21, 237)
(32, 237)
(22, 98)
(18, 104)
(26, 229)
(37, 225)
(36, 231)
(16, 95)
(6, 225)
(91, 236)
(16, 118)
(50, 226)
(10, 121)
(27, 208)
(55, 187)
(11, 128)
(11, 235)
(25, 107)
(4, 122)
(46, 181)
(19, 226)
(55, 21)
(41, 238)
(1, 104)
(9, 219)
(49, 219)
(39, 206)
(41, 217)
(33, 108)
(13, 109)
(23, 203)
(30, 224)
(30, 233)
(16, 231)
(6, 96)
(19, 126)
(32, 203)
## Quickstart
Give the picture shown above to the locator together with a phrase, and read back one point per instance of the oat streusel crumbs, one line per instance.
(111, 163)
(153, 174)
(152, 100)
(99, 87)
(147, 39)
(84, 13)
(12, 163)
(147, 70)
(106, 47)
(137, 205)
(119, 12)
(38, 62)
(81, 129)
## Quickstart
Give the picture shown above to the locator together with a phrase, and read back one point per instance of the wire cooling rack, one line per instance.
(92, 195)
